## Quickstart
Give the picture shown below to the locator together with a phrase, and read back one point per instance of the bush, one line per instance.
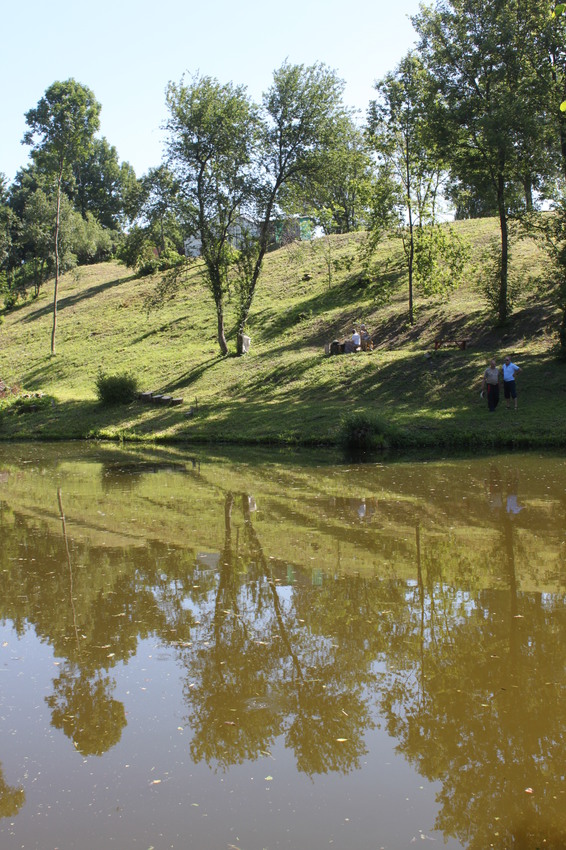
(116, 389)
(361, 432)
(169, 258)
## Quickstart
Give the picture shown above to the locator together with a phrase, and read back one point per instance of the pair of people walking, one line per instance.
(490, 384)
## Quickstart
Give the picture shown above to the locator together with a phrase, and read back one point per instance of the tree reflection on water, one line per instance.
(437, 610)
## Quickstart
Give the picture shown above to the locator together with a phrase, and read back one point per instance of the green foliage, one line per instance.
(89, 241)
(496, 70)
(61, 131)
(440, 259)
(365, 432)
(138, 251)
(213, 135)
(81, 241)
(116, 389)
(62, 125)
(100, 184)
(337, 194)
(151, 263)
(550, 231)
(399, 127)
(233, 161)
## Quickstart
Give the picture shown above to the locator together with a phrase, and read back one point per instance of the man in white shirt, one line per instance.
(509, 388)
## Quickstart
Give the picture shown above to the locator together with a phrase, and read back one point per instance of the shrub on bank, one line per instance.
(116, 389)
(364, 432)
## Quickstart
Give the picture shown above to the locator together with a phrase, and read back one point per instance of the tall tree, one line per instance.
(399, 129)
(492, 117)
(301, 112)
(159, 207)
(61, 131)
(211, 147)
(232, 160)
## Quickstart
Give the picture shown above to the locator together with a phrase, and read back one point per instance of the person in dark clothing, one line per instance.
(490, 386)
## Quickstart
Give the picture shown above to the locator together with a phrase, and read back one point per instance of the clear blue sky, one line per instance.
(127, 52)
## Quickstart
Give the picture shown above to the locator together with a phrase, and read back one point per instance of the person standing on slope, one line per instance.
(509, 389)
(490, 386)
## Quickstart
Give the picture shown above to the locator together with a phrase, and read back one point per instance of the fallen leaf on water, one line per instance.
(156, 782)
(528, 790)
(269, 778)
(229, 723)
(341, 739)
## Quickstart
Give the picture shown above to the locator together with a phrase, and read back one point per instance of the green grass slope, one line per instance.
(286, 390)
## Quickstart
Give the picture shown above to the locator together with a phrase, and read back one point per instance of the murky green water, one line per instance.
(280, 652)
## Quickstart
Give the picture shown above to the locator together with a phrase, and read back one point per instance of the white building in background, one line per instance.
(282, 231)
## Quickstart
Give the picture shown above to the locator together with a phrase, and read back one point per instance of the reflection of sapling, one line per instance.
(11, 799)
(87, 713)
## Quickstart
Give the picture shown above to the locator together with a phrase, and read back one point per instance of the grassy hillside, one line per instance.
(285, 390)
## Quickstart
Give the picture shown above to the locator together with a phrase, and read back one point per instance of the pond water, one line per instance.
(279, 651)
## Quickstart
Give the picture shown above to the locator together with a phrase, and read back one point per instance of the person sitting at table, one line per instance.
(366, 340)
(353, 344)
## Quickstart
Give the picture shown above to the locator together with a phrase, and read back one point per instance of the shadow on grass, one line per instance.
(187, 378)
(71, 420)
(168, 326)
(72, 300)
(345, 295)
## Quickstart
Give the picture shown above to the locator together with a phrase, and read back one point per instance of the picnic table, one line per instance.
(462, 344)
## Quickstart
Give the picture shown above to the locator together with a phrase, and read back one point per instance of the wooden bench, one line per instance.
(462, 344)
(158, 398)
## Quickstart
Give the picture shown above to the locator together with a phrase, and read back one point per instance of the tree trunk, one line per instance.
(562, 124)
(411, 255)
(503, 309)
(562, 332)
(56, 286)
(411, 258)
(221, 335)
(528, 189)
(246, 304)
